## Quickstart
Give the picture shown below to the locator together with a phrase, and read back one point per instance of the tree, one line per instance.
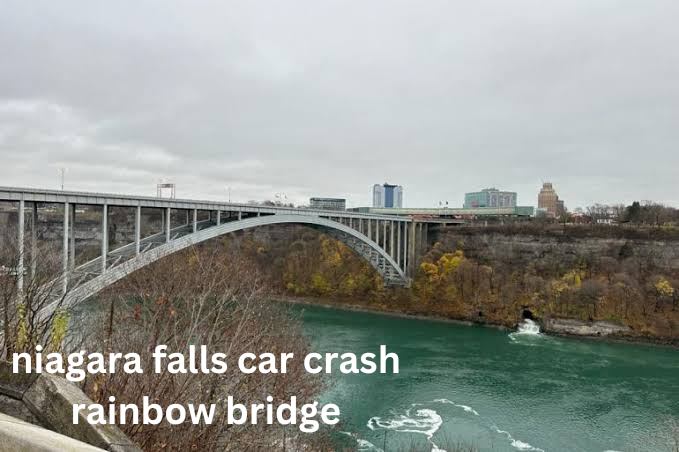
(633, 212)
(591, 293)
(201, 296)
(32, 315)
(664, 291)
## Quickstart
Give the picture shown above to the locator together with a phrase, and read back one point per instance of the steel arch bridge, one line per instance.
(387, 242)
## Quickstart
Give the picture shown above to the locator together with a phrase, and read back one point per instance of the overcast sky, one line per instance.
(326, 98)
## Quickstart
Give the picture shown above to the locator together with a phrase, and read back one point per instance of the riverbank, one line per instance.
(572, 328)
(330, 304)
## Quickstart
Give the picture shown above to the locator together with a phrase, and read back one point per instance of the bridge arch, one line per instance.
(378, 258)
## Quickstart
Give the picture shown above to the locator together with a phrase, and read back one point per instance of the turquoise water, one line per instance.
(496, 390)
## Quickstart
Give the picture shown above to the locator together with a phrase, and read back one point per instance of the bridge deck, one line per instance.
(111, 199)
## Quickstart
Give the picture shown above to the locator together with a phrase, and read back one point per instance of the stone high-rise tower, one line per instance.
(549, 201)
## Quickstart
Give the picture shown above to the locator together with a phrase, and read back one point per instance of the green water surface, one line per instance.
(494, 390)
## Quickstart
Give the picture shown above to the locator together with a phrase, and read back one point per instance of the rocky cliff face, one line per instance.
(606, 281)
(563, 246)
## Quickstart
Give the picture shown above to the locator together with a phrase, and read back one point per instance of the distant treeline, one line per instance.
(638, 213)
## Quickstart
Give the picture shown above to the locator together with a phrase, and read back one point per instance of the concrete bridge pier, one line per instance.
(416, 245)
(20, 248)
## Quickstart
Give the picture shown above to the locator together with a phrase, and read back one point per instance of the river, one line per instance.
(496, 390)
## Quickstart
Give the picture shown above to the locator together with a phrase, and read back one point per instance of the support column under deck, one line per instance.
(426, 236)
(137, 231)
(168, 221)
(391, 239)
(34, 239)
(64, 257)
(195, 220)
(71, 249)
(104, 238)
(418, 244)
(411, 248)
(398, 243)
(384, 235)
(405, 248)
(20, 246)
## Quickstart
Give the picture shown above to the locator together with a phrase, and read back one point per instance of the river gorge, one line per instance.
(496, 390)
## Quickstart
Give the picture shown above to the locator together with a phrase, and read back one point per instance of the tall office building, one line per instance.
(387, 196)
(489, 197)
(549, 201)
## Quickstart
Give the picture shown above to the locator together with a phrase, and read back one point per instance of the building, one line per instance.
(549, 201)
(490, 197)
(560, 207)
(387, 196)
(328, 203)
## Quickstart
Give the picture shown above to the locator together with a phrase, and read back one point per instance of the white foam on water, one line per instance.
(517, 444)
(363, 444)
(527, 327)
(467, 408)
(425, 422)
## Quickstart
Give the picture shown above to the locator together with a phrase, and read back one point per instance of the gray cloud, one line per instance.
(326, 98)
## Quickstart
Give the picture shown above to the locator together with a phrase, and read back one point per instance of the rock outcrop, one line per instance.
(45, 402)
(579, 328)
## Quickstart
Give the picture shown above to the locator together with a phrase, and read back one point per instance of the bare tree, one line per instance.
(32, 293)
(200, 297)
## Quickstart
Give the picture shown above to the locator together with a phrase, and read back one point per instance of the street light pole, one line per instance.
(62, 171)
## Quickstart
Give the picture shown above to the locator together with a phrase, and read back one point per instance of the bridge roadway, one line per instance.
(387, 242)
